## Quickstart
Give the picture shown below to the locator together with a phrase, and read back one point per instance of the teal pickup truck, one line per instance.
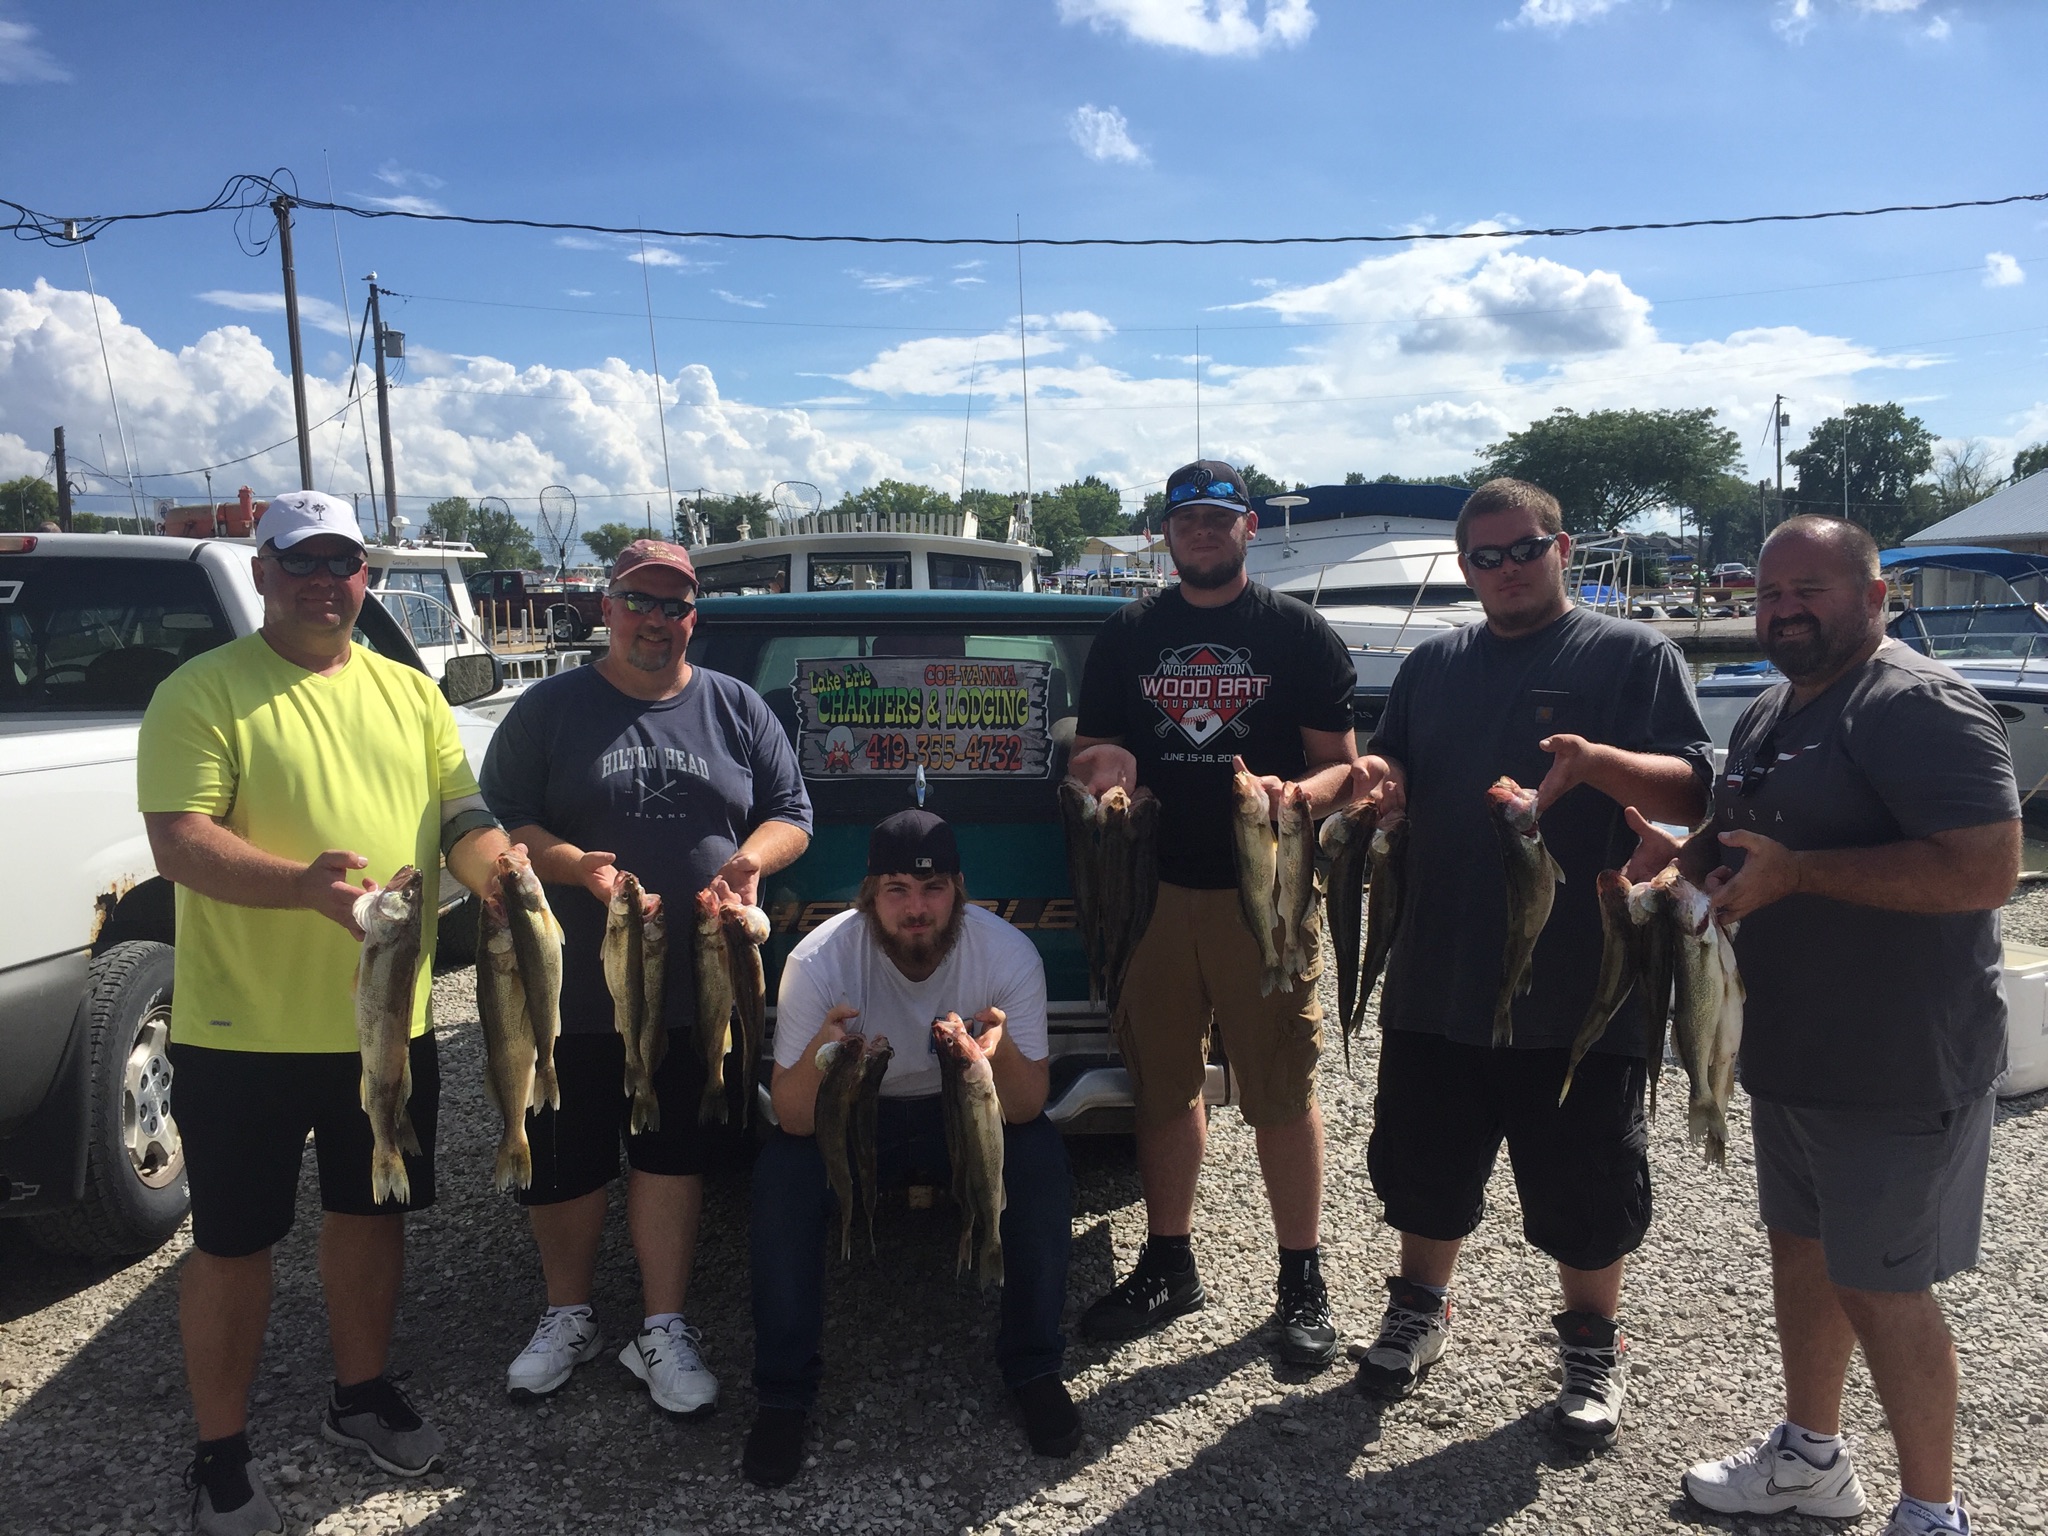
(968, 700)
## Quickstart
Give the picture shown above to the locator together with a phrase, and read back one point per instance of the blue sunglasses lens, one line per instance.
(1190, 492)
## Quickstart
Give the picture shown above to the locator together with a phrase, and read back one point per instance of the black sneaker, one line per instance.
(1307, 1334)
(775, 1447)
(1051, 1421)
(226, 1500)
(1149, 1299)
(1587, 1413)
(1414, 1333)
(379, 1419)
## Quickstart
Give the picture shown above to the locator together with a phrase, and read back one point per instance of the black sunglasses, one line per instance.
(1193, 489)
(341, 566)
(647, 602)
(1760, 764)
(1488, 557)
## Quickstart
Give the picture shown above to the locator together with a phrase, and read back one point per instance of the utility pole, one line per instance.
(383, 405)
(1845, 481)
(282, 207)
(63, 484)
(1779, 422)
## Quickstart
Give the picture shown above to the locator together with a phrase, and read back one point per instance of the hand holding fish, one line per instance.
(741, 876)
(951, 1033)
(1104, 767)
(1271, 785)
(1769, 873)
(325, 887)
(834, 1028)
(1655, 848)
(598, 873)
(991, 1020)
(1381, 782)
(1573, 760)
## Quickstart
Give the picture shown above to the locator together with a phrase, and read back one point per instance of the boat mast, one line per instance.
(1024, 368)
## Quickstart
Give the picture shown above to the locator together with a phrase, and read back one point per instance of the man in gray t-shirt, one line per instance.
(1870, 830)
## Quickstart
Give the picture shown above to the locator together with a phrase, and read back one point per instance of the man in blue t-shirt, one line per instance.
(639, 762)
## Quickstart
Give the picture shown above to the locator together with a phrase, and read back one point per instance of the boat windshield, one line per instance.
(1976, 632)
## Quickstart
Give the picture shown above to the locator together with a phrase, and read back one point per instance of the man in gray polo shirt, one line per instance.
(1866, 832)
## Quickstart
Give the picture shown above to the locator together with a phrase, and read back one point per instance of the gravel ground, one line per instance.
(1196, 1429)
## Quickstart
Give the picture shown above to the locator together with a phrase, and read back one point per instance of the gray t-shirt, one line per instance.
(1852, 1006)
(1467, 707)
(671, 788)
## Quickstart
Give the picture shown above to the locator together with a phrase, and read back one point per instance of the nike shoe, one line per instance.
(666, 1359)
(380, 1420)
(1414, 1333)
(563, 1341)
(1150, 1298)
(226, 1500)
(1587, 1413)
(1914, 1520)
(1768, 1477)
(1308, 1336)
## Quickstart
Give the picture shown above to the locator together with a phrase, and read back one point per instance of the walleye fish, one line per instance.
(746, 930)
(1295, 887)
(1706, 1017)
(387, 977)
(840, 1062)
(1144, 879)
(634, 951)
(1084, 835)
(1258, 860)
(537, 944)
(1113, 894)
(1383, 906)
(977, 1151)
(509, 1077)
(1620, 966)
(1649, 906)
(1533, 878)
(714, 1003)
(874, 1062)
(1346, 843)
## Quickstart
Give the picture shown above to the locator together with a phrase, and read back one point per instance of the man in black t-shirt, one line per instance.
(1177, 685)
(1598, 713)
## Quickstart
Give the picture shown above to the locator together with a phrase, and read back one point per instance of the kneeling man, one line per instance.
(911, 958)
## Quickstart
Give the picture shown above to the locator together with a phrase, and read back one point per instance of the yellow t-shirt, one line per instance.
(296, 763)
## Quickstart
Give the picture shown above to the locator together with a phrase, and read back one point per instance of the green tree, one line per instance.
(992, 511)
(1728, 513)
(721, 516)
(506, 542)
(607, 539)
(897, 498)
(1076, 512)
(1608, 468)
(1963, 476)
(26, 504)
(450, 519)
(2030, 461)
(1886, 452)
(1354, 477)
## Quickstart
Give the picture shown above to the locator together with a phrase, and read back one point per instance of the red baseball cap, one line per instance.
(653, 552)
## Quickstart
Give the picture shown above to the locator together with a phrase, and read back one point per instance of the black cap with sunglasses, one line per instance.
(1207, 483)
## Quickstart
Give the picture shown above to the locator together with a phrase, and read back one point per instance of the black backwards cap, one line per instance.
(1207, 483)
(913, 842)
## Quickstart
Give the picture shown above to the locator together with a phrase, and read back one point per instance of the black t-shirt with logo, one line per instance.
(1186, 689)
(1851, 1006)
(1467, 707)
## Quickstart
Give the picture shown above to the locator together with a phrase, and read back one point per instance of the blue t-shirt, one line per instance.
(670, 787)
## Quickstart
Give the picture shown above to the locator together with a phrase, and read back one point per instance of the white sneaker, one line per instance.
(1908, 1521)
(666, 1359)
(1587, 1413)
(563, 1341)
(1770, 1478)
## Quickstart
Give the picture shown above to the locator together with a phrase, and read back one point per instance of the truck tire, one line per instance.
(135, 1194)
(566, 627)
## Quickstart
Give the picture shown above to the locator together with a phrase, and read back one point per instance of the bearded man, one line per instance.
(909, 962)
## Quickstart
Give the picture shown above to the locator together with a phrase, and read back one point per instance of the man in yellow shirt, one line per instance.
(276, 772)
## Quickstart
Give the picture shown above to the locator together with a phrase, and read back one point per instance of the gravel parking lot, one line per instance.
(1194, 1430)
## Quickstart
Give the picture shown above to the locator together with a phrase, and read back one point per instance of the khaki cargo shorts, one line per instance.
(1198, 962)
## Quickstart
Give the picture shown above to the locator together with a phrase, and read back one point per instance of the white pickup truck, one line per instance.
(89, 625)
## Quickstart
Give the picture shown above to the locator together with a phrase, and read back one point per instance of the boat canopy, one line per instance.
(1966, 557)
(1328, 502)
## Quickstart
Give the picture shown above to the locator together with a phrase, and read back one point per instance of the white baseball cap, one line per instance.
(300, 515)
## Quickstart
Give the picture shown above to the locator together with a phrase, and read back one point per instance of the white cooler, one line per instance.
(2026, 1021)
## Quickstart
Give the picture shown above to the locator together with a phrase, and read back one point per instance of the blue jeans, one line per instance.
(793, 1207)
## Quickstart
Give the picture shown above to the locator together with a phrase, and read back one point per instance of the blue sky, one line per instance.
(530, 359)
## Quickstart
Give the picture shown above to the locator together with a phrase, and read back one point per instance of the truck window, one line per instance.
(860, 573)
(99, 635)
(768, 573)
(966, 573)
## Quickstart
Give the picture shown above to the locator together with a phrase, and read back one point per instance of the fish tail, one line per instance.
(873, 1251)
(514, 1167)
(1567, 1088)
(1503, 1024)
(646, 1109)
(991, 1262)
(408, 1138)
(388, 1181)
(711, 1108)
(547, 1089)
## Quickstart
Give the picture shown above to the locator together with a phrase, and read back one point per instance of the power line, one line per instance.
(246, 195)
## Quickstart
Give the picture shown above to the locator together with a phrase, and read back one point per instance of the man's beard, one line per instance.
(1222, 574)
(1815, 652)
(643, 657)
(928, 947)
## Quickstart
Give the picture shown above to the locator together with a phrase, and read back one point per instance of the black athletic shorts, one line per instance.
(576, 1148)
(1582, 1168)
(244, 1116)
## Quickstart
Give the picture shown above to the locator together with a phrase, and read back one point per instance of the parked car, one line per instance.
(547, 606)
(89, 625)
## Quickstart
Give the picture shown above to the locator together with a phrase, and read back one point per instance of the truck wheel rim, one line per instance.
(147, 1129)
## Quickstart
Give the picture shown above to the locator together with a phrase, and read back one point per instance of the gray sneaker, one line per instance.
(226, 1477)
(382, 1422)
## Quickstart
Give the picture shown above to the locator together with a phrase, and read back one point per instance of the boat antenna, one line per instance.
(660, 415)
(1024, 364)
(121, 432)
(968, 425)
(1198, 389)
(355, 392)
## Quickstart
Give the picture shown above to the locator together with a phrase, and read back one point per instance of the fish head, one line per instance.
(1076, 800)
(1513, 804)
(828, 1055)
(1611, 887)
(1248, 797)
(710, 911)
(517, 883)
(1115, 801)
(626, 895)
(395, 905)
(751, 922)
(1293, 806)
(654, 919)
(1691, 905)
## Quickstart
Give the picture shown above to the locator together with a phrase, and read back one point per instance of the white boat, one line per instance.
(868, 552)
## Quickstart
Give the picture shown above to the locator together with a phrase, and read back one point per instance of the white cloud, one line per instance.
(1797, 18)
(409, 202)
(886, 282)
(318, 313)
(392, 174)
(968, 282)
(1559, 14)
(580, 243)
(2002, 271)
(1938, 30)
(1084, 323)
(1103, 134)
(743, 302)
(577, 293)
(660, 256)
(1216, 27)
(1470, 424)
(25, 62)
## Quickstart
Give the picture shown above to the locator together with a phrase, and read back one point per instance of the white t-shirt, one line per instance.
(992, 965)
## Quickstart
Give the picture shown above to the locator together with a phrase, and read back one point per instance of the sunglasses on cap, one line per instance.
(1489, 557)
(647, 602)
(339, 566)
(1195, 490)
